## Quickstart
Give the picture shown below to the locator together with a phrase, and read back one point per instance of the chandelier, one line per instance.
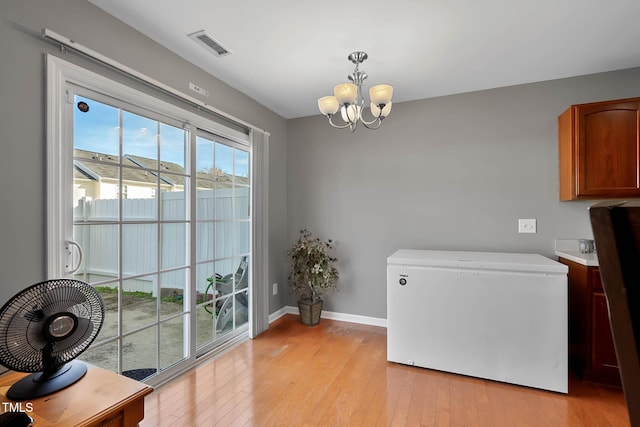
(347, 97)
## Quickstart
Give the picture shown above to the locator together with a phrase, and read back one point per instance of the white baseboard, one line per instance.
(344, 317)
(277, 314)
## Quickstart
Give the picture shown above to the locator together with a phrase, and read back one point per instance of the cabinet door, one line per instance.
(603, 354)
(608, 149)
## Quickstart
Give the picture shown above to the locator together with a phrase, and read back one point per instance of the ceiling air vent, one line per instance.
(209, 43)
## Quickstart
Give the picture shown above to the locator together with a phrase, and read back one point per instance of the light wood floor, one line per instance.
(336, 374)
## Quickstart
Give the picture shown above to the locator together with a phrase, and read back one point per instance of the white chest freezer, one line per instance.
(498, 316)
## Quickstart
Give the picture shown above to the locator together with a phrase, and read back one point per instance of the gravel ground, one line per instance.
(139, 348)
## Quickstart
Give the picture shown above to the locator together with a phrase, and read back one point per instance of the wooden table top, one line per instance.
(98, 393)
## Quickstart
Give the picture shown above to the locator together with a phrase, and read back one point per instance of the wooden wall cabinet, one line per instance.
(599, 153)
(591, 351)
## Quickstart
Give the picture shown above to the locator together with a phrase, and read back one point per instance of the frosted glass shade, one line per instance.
(351, 113)
(328, 105)
(375, 110)
(381, 94)
(346, 93)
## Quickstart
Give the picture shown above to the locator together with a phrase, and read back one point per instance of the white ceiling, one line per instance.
(288, 53)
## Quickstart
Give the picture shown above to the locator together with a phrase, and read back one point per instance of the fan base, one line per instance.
(38, 384)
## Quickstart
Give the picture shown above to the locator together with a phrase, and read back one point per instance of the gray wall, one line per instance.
(447, 173)
(22, 124)
(452, 173)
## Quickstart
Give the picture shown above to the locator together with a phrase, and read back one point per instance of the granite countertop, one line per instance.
(568, 249)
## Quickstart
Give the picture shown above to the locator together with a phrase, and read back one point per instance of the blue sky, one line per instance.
(98, 130)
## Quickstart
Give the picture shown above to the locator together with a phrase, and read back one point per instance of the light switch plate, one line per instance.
(527, 226)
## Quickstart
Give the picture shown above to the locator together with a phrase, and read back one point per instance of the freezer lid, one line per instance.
(501, 261)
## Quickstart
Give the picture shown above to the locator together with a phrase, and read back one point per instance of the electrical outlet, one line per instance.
(527, 226)
(275, 289)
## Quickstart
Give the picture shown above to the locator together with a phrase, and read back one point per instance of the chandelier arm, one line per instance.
(379, 122)
(338, 126)
(375, 120)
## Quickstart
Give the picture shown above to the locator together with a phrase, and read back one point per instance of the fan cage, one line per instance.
(25, 344)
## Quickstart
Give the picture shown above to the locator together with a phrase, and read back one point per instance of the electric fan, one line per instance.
(42, 329)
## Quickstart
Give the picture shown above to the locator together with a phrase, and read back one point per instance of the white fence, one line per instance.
(150, 243)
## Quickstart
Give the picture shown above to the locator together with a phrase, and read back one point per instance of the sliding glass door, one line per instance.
(158, 209)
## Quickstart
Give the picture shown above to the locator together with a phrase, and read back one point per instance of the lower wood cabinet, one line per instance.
(591, 351)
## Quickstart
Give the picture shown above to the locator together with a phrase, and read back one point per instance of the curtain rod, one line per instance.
(66, 42)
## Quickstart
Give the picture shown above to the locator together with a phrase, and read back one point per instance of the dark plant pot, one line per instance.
(310, 312)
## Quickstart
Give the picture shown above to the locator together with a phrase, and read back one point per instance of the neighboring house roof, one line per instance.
(98, 166)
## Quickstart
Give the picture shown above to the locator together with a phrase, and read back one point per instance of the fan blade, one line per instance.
(22, 338)
(61, 299)
(25, 339)
(35, 335)
(82, 333)
(23, 344)
(25, 330)
(35, 315)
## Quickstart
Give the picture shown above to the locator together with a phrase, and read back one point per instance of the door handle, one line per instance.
(67, 245)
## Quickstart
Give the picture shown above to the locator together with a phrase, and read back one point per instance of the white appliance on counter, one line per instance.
(498, 316)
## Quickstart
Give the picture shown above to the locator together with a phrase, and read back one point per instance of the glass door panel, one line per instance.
(222, 216)
(140, 140)
(140, 353)
(172, 335)
(138, 304)
(173, 288)
(131, 219)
